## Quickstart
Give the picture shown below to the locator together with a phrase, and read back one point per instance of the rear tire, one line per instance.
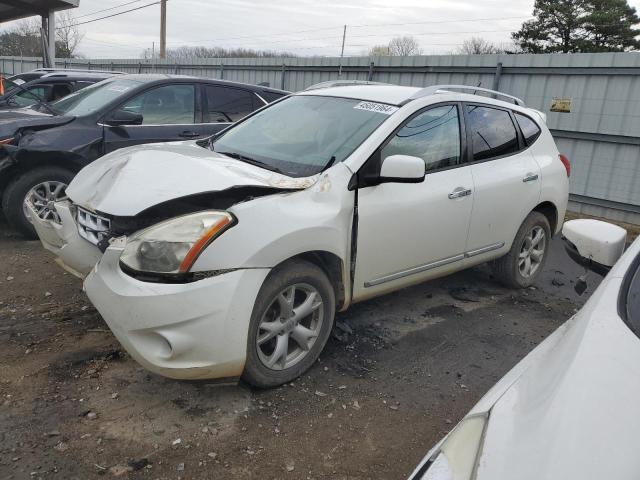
(290, 324)
(521, 267)
(19, 187)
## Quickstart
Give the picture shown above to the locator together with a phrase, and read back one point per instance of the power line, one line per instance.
(114, 14)
(107, 9)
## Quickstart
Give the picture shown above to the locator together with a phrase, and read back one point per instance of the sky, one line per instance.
(303, 27)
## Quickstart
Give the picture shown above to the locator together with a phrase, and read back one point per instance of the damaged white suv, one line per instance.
(230, 257)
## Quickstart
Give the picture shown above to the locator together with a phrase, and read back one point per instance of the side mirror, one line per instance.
(123, 117)
(595, 244)
(402, 169)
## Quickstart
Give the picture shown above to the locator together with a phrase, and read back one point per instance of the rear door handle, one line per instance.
(189, 134)
(460, 192)
(530, 177)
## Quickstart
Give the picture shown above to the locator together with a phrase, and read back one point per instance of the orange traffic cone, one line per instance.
(1, 86)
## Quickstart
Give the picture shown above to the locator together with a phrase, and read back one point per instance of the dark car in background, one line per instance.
(42, 148)
(49, 87)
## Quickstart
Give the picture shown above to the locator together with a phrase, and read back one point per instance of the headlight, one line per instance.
(457, 457)
(174, 245)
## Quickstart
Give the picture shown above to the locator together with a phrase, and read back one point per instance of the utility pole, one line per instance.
(344, 36)
(163, 29)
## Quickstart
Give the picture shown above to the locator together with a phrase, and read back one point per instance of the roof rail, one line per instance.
(342, 83)
(467, 88)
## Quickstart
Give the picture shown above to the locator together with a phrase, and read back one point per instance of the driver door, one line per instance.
(409, 232)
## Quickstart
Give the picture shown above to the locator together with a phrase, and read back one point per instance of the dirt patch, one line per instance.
(398, 373)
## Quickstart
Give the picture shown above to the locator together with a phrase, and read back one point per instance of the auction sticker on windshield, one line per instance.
(377, 107)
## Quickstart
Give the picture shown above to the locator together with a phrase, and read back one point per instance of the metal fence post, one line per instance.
(283, 72)
(496, 77)
(370, 75)
(221, 71)
(139, 67)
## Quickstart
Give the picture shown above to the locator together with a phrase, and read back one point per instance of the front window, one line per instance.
(166, 105)
(91, 99)
(301, 135)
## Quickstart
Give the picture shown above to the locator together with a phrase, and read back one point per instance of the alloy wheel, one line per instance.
(290, 326)
(532, 252)
(42, 198)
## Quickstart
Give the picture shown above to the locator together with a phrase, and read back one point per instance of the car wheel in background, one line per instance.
(290, 324)
(521, 267)
(41, 187)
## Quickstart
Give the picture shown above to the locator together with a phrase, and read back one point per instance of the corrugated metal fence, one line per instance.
(601, 134)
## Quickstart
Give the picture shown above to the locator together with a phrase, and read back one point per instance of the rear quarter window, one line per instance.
(271, 96)
(530, 129)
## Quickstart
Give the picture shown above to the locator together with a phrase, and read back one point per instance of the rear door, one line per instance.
(170, 113)
(505, 174)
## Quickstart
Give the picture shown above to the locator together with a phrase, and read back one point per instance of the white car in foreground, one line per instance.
(230, 258)
(569, 410)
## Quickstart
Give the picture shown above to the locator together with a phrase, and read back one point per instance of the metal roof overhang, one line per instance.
(16, 9)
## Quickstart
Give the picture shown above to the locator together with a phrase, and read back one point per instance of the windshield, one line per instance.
(94, 97)
(301, 135)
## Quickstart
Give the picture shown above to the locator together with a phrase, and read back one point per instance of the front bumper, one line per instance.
(185, 331)
(74, 253)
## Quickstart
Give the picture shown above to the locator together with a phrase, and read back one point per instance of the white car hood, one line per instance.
(574, 413)
(128, 181)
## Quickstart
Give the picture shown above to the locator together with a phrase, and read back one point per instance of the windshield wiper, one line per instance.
(252, 161)
(40, 101)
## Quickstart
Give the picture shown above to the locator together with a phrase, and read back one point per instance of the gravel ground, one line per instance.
(397, 374)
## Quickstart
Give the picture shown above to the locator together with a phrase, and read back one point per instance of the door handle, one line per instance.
(189, 134)
(460, 192)
(530, 177)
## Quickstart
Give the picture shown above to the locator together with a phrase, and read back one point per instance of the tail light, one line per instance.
(6, 141)
(567, 165)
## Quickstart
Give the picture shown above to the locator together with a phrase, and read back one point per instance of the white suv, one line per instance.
(230, 257)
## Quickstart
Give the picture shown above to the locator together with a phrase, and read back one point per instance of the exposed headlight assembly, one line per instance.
(173, 246)
(457, 456)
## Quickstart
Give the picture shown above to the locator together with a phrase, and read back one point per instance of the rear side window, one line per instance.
(530, 130)
(492, 131)
(229, 104)
(433, 135)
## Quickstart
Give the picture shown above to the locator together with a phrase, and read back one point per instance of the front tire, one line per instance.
(521, 267)
(45, 185)
(290, 324)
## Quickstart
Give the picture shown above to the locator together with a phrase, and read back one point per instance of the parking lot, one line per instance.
(398, 372)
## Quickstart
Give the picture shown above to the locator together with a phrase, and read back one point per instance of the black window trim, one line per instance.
(469, 157)
(374, 157)
(524, 141)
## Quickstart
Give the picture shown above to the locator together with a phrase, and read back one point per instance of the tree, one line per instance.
(186, 53)
(397, 47)
(24, 39)
(579, 26)
(404, 46)
(379, 51)
(478, 46)
(68, 37)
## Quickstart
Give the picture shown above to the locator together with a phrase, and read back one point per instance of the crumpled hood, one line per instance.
(575, 411)
(13, 120)
(131, 180)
